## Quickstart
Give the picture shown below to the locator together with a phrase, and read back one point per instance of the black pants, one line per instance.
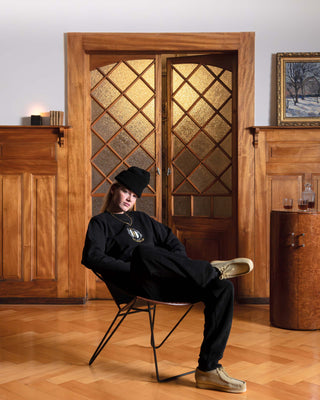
(161, 275)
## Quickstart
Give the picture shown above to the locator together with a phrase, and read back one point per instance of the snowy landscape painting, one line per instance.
(298, 88)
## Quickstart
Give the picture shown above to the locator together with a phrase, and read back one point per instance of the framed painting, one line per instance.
(298, 89)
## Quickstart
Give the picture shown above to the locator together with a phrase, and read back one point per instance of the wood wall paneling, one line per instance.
(11, 227)
(34, 215)
(44, 230)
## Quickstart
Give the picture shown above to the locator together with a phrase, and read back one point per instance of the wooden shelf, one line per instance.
(284, 130)
(34, 131)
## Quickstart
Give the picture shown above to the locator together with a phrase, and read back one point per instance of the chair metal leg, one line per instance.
(176, 325)
(152, 314)
(151, 310)
(108, 336)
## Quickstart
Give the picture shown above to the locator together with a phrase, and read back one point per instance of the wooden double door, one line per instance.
(175, 117)
(210, 217)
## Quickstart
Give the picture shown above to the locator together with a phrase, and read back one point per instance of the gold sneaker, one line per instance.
(233, 268)
(218, 379)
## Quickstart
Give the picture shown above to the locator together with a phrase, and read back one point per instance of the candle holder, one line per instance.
(36, 120)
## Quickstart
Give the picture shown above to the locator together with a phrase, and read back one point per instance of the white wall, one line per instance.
(32, 40)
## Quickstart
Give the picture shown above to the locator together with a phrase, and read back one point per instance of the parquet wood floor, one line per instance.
(45, 349)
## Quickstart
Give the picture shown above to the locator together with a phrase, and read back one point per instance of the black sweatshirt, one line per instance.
(111, 239)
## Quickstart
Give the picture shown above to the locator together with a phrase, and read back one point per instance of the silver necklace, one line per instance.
(121, 220)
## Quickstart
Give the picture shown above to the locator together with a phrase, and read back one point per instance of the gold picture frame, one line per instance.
(298, 89)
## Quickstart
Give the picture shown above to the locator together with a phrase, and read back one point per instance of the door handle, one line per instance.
(298, 241)
(295, 240)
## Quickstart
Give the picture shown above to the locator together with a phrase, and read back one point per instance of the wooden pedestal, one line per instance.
(295, 270)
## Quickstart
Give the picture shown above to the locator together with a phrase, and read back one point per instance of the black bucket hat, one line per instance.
(135, 179)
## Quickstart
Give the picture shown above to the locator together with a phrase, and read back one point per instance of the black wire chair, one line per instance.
(131, 305)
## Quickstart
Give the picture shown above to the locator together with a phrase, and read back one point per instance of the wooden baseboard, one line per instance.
(253, 300)
(42, 300)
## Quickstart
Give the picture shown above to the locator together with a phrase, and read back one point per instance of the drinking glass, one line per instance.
(303, 204)
(287, 204)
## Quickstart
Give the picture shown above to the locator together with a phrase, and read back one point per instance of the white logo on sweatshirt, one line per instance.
(135, 234)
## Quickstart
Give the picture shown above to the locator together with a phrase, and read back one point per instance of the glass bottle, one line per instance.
(309, 195)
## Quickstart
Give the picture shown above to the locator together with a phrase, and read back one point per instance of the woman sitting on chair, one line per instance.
(144, 258)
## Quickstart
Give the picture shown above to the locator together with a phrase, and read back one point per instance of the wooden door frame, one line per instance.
(78, 48)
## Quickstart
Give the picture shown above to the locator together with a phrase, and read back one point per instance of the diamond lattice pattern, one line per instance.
(202, 130)
(122, 122)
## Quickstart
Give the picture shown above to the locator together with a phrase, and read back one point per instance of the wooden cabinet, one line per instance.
(295, 270)
(285, 159)
(34, 215)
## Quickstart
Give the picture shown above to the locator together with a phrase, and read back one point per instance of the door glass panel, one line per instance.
(123, 128)
(217, 128)
(226, 145)
(201, 178)
(122, 110)
(122, 76)
(218, 188)
(201, 140)
(226, 111)
(182, 206)
(217, 95)
(177, 146)
(226, 78)
(201, 79)
(202, 206)
(186, 162)
(185, 96)
(140, 127)
(96, 110)
(147, 205)
(183, 70)
(186, 129)
(218, 161)
(186, 187)
(140, 158)
(201, 145)
(223, 207)
(105, 93)
(139, 92)
(105, 126)
(149, 111)
(226, 178)
(202, 112)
